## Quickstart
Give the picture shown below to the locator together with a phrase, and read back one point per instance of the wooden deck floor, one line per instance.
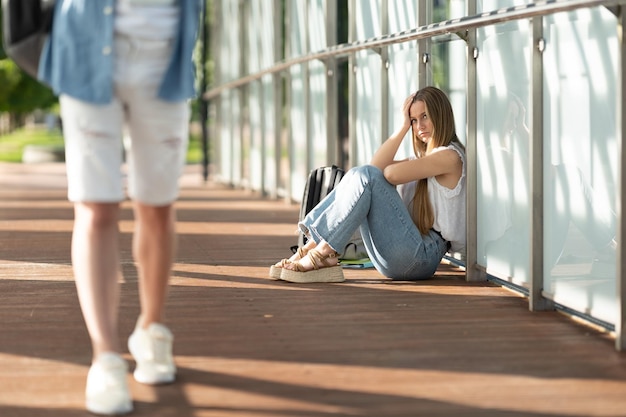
(249, 346)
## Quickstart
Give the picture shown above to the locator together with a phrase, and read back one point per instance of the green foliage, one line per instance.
(20, 94)
(12, 144)
(194, 151)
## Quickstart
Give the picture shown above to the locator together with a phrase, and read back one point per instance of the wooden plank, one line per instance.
(250, 346)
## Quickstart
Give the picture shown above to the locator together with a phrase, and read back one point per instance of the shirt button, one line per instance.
(106, 50)
(108, 10)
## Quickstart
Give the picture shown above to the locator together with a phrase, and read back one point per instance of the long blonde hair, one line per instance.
(439, 111)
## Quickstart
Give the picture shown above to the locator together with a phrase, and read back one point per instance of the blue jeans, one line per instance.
(365, 199)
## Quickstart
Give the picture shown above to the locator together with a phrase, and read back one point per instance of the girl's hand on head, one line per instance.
(406, 118)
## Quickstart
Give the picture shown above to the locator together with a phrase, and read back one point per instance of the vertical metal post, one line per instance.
(332, 90)
(384, 71)
(537, 301)
(471, 262)
(203, 104)
(260, 103)
(352, 88)
(216, 41)
(306, 89)
(423, 45)
(620, 321)
(277, 19)
(289, 5)
(243, 91)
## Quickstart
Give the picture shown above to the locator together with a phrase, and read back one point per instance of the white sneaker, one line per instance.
(107, 389)
(152, 350)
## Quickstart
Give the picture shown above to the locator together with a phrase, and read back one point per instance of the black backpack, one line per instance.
(320, 183)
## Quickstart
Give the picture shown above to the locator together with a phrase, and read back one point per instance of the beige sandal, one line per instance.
(322, 270)
(277, 268)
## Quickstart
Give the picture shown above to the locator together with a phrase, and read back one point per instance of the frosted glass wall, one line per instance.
(269, 104)
(298, 108)
(503, 139)
(259, 155)
(230, 104)
(368, 129)
(317, 84)
(402, 68)
(580, 122)
(253, 136)
(581, 161)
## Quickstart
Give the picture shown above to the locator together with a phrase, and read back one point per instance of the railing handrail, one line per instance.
(525, 11)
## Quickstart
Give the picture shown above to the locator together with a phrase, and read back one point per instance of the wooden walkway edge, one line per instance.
(250, 346)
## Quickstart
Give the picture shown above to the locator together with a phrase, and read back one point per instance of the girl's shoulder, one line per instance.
(456, 147)
(453, 145)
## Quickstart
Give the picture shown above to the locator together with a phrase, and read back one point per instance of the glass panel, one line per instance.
(402, 75)
(269, 133)
(580, 171)
(448, 63)
(229, 52)
(402, 71)
(367, 18)
(317, 100)
(252, 132)
(298, 132)
(451, 9)
(229, 69)
(253, 163)
(316, 24)
(368, 85)
(489, 5)
(236, 137)
(223, 151)
(267, 58)
(317, 86)
(503, 203)
(368, 107)
(297, 104)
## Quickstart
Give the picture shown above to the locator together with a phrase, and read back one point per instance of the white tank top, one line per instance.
(147, 19)
(448, 205)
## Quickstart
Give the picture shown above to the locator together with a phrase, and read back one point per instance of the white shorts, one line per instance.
(153, 132)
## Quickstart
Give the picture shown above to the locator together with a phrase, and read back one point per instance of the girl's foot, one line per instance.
(277, 268)
(317, 266)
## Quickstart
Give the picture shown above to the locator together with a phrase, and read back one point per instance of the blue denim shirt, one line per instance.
(77, 59)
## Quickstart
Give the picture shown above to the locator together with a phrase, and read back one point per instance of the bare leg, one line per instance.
(154, 245)
(95, 260)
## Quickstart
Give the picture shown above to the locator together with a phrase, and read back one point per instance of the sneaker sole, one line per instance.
(153, 380)
(98, 409)
(323, 275)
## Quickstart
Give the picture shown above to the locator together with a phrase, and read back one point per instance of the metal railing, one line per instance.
(462, 28)
(457, 26)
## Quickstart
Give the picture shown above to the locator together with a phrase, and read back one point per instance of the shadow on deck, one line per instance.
(249, 346)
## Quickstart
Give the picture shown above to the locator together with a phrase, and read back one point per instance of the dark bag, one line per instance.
(26, 26)
(320, 183)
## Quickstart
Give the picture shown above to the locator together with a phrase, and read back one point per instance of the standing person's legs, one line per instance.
(154, 244)
(95, 262)
(93, 159)
(156, 156)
